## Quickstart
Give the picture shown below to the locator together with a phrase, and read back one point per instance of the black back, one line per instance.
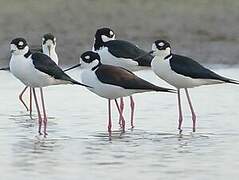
(190, 68)
(125, 49)
(121, 77)
(46, 65)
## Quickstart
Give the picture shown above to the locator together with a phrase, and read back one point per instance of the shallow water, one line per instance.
(78, 147)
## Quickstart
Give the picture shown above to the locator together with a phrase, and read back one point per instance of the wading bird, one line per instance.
(36, 70)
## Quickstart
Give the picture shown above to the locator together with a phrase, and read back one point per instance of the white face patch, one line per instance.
(20, 43)
(161, 44)
(161, 53)
(154, 48)
(13, 47)
(85, 65)
(87, 57)
(111, 33)
(43, 39)
(48, 43)
(16, 51)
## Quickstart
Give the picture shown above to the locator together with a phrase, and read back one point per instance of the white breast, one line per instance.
(25, 71)
(162, 68)
(104, 90)
(108, 58)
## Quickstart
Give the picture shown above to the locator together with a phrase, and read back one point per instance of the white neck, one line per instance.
(52, 53)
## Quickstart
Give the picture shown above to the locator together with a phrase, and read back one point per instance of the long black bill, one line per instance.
(146, 54)
(73, 67)
(5, 69)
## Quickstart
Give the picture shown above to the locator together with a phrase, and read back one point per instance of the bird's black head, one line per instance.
(90, 60)
(18, 46)
(161, 44)
(103, 35)
(48, 44)
(48, 37)
(20, 43)
(161, 48)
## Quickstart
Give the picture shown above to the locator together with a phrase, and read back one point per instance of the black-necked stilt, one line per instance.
(120, 53)
(112, 82)
(36, 70)
(182, 72)
(49, 48)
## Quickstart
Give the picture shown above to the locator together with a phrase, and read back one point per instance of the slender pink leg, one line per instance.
(121, 115)
(180, 119)
(38, 111)
(44, 112)
(132, 104)
(109, 123)
(192, 111)
(116, 102)
(20, 97)
(121, 109)
(30, 103)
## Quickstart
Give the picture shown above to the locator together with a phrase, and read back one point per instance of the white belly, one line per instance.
(104, 90)
(107, 58)
(25, 71)
(164, 71)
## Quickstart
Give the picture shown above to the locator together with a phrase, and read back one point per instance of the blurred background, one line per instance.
(206, 30)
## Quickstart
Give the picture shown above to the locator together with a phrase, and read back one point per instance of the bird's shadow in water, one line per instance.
(24, 120)
(29, 152)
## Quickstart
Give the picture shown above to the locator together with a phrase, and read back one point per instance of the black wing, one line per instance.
(125, 49)
(46, 65)
(190, 68)
(121, 77)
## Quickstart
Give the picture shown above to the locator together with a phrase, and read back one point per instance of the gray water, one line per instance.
(78, 146)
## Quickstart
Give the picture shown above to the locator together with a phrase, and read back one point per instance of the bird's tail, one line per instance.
(78, 83)
(162, 89)
(5, 69)
(68, 79)
(166, 90)
(232, 81)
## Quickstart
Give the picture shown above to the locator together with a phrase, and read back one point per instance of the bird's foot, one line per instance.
(180, 130)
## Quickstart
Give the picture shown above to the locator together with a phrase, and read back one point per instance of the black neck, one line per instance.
(98, 43)
(168, 56)
(27, 54)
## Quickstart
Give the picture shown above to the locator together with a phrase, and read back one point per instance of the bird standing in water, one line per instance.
(48, 48)
(36, 70)
(182, 72)
(112, 82)
(120, 53)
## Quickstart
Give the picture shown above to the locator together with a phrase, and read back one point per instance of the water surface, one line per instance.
(78, 146)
